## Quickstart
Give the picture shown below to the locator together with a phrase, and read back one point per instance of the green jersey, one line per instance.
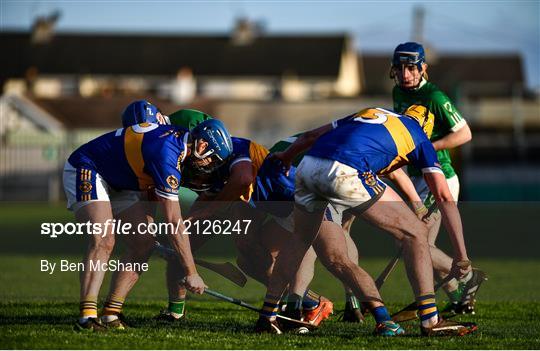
(447, 117)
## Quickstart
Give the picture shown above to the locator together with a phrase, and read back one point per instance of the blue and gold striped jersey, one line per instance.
(140, 157)
(273, 188)
(377, 140)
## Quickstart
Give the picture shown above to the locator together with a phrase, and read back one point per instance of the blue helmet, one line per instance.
(139, 111)
(410, 53)
(220, 146)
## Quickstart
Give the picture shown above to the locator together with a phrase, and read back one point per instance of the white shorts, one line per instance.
(320, 182)
(331, 214)
(82, 186)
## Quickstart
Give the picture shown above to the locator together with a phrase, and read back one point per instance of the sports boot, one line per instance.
(91, 325)
(170, 317)
(388, 328)
(265, 325)
(449, 328)
(117, 321)
(320, 313)
(466, 305)
(291, 327)
(352, 315)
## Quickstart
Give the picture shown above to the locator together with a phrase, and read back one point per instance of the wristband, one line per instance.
(420, 210)
(463, 264)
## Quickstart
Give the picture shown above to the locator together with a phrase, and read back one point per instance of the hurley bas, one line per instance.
(104, 266)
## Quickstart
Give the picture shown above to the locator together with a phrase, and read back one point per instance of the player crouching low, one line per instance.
(341, 170)
(234, 184)
(142, 157)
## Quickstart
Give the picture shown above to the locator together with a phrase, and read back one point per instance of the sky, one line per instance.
(449, 26)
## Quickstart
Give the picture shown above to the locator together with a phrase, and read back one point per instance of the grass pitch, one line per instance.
(38, 311)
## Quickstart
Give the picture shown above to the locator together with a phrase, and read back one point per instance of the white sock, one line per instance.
(428, 323)
(109, 318)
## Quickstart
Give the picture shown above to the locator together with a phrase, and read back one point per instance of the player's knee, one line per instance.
(417, 233)
(104, 245)
(108, 247)
(422, 231)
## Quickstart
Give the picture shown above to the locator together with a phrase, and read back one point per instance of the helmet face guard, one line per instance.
(197, 181)
(408, 58)
(207, 152)
(215, 160)
(219, 147)
(409, 54)
(406, 55)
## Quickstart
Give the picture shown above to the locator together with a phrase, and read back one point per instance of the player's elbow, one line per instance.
(467, 134)
(443, 197)
(311, 136)
(244, 181)
(438, 186)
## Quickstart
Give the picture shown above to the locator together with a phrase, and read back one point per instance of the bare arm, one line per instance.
(301, 144)
(180, 243)
(451, 219)
(404, 183)
(454, 139)
(240, 179)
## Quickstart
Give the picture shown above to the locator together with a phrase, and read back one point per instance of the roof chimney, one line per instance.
(245, 31)
(43, 28)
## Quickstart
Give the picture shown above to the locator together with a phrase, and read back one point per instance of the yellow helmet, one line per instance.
(423, 116)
